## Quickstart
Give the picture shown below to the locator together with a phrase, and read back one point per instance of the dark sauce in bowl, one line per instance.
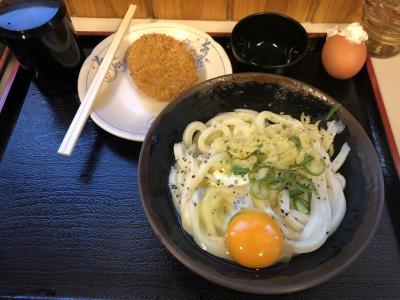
(269, 42)
(272, 50)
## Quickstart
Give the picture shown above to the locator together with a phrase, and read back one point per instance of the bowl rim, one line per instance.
(277, 285)
(267, 67)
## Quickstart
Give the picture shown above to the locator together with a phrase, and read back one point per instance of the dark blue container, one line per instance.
(40, 35)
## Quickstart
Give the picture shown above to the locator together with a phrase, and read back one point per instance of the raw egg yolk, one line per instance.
(254, 240)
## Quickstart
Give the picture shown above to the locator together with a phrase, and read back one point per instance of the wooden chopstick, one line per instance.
(85, 108)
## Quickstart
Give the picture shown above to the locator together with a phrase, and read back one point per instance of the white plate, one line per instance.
(121, 108)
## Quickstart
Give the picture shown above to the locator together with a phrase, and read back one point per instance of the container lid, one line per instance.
(23, 19)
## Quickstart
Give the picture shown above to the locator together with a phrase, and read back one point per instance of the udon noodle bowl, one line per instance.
(259, 187)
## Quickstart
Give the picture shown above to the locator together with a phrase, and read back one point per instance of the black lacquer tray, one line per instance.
(74, 227)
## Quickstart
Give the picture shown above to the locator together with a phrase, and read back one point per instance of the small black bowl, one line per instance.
(261, 91)
(269, 42)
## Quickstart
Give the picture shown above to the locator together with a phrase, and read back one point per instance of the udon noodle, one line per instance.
(259, 161)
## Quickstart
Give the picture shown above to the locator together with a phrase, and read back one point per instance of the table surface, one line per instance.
(75, 227)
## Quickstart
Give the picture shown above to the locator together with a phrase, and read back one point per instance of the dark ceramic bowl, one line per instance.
(269, 42)
(261, 91)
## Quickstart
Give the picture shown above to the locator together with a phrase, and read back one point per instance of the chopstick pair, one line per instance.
(77, 124)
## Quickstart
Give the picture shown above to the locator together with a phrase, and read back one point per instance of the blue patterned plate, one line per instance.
(121, 108)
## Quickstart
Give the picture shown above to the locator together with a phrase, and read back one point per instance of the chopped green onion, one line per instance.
(304, 177)
(254, 172)
(301, 206)
(295, 193)
(306, 160)
(240, 170)
(332, 111)
(303, 188)
(259, 155)
(315, 168)
(258, 190)
(296, 141)
(289, 179)
(295, 179)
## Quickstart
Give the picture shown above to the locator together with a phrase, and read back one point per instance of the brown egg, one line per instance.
(341, 58)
